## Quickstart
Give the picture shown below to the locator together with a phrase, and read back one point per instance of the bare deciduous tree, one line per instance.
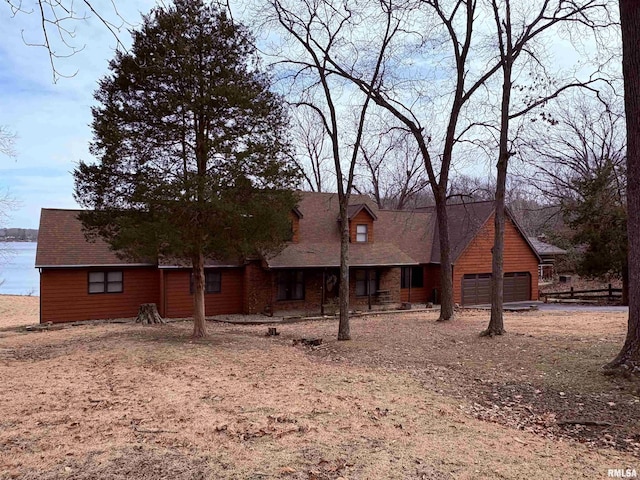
(7, 202)
(57, 20)
(628, 360)
(312, 150)
(393, 171)
(314, 29)
(581, 168)
(7, 142)
(517, 32)
(586, 135)
(389, 32)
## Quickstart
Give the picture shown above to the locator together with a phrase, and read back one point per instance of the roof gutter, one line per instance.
(109, 265)
(350, 266)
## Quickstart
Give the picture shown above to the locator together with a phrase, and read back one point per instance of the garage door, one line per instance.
(517, 287)
(476, 288)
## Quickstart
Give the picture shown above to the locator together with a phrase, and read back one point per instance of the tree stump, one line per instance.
(148, 314)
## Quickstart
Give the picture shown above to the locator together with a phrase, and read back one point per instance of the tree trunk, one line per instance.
(446, 270)
(199, 326)
(344, 331)
(496, 322)
(148, 314)
(625, 282)
(628, 360)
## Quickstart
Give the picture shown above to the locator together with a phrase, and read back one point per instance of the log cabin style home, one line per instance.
(394, 258)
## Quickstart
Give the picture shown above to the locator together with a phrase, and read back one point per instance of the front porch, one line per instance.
(315, 291)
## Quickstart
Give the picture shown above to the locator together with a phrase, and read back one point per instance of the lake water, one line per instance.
(17, 260)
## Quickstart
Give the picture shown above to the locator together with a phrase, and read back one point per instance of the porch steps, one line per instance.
(383, 297)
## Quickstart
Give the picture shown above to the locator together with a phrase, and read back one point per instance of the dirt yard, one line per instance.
(406, 399)
(17, 310)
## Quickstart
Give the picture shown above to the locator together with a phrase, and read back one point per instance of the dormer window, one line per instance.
(362, 233)
(361, 219)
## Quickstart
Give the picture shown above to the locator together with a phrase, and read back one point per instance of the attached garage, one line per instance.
(517, 287)
(476, 288)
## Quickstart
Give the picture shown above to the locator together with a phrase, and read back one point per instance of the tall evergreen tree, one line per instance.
(192, 147)
(597, 214)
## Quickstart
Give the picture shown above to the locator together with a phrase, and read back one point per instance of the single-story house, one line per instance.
(394, 257)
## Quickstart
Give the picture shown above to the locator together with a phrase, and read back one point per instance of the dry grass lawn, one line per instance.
(17, 310)
(407, 398)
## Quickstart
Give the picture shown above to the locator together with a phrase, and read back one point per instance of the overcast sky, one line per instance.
(51, 121)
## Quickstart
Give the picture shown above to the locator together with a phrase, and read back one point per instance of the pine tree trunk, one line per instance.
(148, 314)
(628, 360)
(199, 325)
(344, 331)
(446, 270)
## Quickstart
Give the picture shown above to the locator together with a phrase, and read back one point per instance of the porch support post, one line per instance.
(368, 282)
(323, 297)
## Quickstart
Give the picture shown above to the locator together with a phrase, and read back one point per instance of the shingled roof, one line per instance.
(546, 249)
(61, 243)
(353, 210)
(465, 220)
(400, 237)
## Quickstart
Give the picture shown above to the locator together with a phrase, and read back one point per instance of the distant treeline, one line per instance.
(18, 235)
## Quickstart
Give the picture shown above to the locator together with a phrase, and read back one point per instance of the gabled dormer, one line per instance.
(295, 216)
(361, 219)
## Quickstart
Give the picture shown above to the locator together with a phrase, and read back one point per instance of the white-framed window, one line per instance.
(362, 233)
(106, 282)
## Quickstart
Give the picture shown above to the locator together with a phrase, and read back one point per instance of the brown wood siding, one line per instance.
(64, 295)
(295, 227)
(432, 282)
(518, 257)
(179, 301)
(362, 218)
(162, 304)
(420, 295)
